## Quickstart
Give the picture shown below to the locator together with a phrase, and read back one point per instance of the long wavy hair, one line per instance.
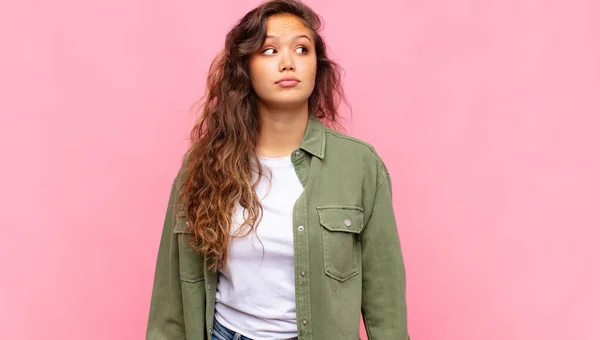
(222, 159)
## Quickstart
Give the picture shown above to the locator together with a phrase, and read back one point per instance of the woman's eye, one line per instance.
(301, 50)
(271, 51)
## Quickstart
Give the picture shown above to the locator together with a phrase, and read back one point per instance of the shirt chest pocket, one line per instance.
(191, 266)
(341, 226)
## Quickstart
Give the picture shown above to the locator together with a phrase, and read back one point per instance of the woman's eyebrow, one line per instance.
(296, 37)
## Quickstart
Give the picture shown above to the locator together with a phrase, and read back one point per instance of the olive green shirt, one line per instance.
(347, 254)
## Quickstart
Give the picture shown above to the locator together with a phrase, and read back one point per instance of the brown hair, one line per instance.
(219, 167)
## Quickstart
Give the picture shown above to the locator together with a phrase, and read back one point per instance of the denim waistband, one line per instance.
(223, 333)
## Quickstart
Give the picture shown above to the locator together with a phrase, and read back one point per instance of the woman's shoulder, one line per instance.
(353, 151)
(341, 142)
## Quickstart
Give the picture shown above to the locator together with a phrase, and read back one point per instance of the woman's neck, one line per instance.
(281, 130)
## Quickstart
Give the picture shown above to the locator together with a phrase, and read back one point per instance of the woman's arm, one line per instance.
(166, 307)
(384, 281)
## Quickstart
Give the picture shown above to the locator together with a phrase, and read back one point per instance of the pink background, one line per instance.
(486, 113)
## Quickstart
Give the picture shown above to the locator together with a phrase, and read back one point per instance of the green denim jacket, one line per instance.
(348, 258)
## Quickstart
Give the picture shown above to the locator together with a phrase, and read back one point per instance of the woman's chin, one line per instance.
(287, 103)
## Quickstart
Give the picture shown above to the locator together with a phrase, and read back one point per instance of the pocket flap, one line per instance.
(181, 224)
(341, 218)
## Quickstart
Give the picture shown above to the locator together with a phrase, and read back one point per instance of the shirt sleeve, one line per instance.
(166, 320)
(384, 278)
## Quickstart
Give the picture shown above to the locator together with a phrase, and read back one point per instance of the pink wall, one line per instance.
(485, 111)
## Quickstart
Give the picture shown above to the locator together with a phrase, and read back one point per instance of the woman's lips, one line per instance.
(288, 83)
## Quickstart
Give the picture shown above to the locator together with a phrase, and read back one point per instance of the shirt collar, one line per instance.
(313, 141)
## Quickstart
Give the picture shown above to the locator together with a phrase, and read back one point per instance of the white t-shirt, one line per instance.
(256, 294)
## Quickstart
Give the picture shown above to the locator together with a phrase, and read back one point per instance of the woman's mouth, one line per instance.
(287, 82)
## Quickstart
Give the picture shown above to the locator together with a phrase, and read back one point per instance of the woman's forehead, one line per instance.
(282, 26)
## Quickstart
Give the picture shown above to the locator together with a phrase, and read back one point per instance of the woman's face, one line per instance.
(283, 71)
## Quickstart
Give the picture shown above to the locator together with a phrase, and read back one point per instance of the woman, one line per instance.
(278, 227)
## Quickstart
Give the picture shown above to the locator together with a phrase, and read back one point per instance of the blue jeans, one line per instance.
(219, 332)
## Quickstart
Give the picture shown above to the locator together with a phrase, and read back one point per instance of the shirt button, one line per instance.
(304, 323)
(187, 224)
(348, 223)
(297, 153)
(302, 274)
(301, 228)
(208, 286)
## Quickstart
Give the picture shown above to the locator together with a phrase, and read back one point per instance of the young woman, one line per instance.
(278, 226)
